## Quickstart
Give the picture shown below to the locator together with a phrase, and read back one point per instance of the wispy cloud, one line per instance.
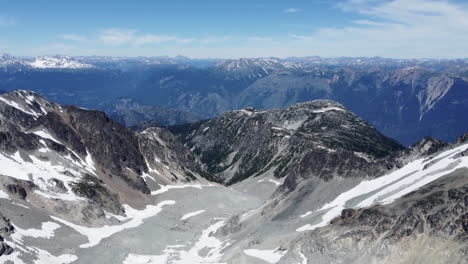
(292, 10)
(301, 37)
(154, 39)
(258, 38)
(74, 37)
(116, 36)
(399, 28)
(6, 20)
(214, 39)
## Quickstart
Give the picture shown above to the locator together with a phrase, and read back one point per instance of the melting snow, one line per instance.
(134, 217)
(304, 259)
(177, 255)
(326, 109)
(47, 135)
(394, 185)
(40, 172)
(277, 183)
(270, 256)
(187, 216)
(4, 195)
(47, 231)
(165, 188)
(19, 107)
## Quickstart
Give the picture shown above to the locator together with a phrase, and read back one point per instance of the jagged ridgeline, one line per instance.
(315, 139)
(309, 182)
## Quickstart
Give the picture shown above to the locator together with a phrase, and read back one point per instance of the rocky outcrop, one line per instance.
(112, 146)
(6, 229)
(435, 214)
(163, 152)
(428, 145)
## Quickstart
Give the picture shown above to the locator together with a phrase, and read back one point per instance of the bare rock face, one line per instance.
(314, 139)
(428, 145)
(438, 213)
(6, 229)
(16, 190)
(93, 189)
(112, 146)
(163, 152)
(233, 225)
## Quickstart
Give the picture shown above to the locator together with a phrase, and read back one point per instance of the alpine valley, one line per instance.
(294, 161)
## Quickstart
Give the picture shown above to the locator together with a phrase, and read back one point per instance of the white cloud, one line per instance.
(291, 10)
(117, 36)
(301, 37)
(6, 20)
(398, 28)
(74, 37)
(214, 39)
(152, 39)
(368, 22)
(258, 38)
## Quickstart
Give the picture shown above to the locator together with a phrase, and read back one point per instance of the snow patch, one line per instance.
(19, 107)
(192, 214)
(165, 188)
(47, 135)
(277, 183)
(304, 259)
(134, 219)
(270, 256)
(177, 255)
(4, 195)
(41, 172)
(47, 231)
(326, 109)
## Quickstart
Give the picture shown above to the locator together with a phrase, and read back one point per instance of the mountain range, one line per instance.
(311, 182)
(404, 99)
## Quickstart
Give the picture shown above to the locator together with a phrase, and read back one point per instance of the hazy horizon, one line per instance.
(228, 58)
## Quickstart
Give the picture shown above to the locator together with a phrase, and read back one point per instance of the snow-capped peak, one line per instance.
(58, 63)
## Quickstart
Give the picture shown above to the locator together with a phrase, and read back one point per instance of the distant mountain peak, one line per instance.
(58, 62)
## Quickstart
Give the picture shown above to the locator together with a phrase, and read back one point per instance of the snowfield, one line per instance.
(177, 255)
(134, 217)
(270, 256)
(392, 186)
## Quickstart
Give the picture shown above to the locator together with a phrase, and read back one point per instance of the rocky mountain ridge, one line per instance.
(312, 181)
(284, 142)
(70, 153)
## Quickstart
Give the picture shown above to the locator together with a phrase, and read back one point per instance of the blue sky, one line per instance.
(232, 29)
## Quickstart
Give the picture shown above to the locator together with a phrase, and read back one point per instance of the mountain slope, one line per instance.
(304, 140)
(70, 153)
(78, 187)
